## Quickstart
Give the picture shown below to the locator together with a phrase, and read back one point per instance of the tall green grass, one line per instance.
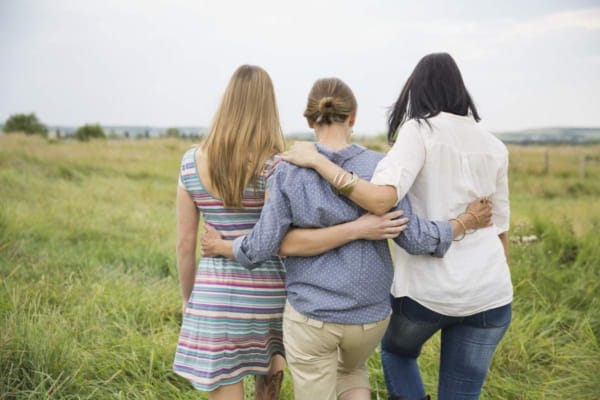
(89, 299)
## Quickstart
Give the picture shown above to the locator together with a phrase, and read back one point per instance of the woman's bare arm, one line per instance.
(315, 241)
(373, 198)
(187, 233)
(306, 242)
(504, 240)
(311, 242)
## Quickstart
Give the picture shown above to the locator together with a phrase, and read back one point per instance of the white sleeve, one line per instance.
(500, 203)
(404, 161)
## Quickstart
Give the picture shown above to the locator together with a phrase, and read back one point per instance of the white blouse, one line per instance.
(443, 167)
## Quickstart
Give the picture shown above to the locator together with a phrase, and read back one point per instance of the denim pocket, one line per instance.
(498, 317)
(417, 313)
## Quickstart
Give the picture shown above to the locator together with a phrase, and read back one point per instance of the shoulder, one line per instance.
(284, 169)
(287, 175)
(187, 170)
(270, 166)
(496, 145)
(415, 125)
(189, 154)
(188, 159)
(499, 146)
(414, 128)
(369, 154)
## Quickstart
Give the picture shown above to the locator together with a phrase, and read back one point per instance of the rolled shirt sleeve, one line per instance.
(423, 236)
(275, 220)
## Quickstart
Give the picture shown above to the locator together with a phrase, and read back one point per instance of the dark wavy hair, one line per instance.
(435, 85)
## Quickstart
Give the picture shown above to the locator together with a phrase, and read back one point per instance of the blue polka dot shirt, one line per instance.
(349, 284)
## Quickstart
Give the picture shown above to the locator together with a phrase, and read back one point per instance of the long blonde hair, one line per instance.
(244, 134)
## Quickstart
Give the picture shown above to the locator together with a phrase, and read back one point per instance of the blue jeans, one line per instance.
(468, 344)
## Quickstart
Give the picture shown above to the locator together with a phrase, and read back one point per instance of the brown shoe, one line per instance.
(267, 387)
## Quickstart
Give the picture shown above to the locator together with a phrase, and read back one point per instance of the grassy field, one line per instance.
(89, 300)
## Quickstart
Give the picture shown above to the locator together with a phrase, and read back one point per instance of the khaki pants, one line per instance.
(327, 359)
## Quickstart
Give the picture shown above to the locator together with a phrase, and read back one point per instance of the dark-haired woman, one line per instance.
(338, 287)
(442, 158)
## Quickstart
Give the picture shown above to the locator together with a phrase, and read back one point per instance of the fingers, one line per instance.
(480, 202)
(207, 251)
(387, 226)
(396, 230)
(210, 233)
(485, 212)
(393, 232)
(484, 200)
(300, 153)
(209, 228)
(393, 214)
(395, 227)
(481, 208)
(397, 222)
(207, 244)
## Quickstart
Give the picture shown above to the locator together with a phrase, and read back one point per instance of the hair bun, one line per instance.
(327, 106)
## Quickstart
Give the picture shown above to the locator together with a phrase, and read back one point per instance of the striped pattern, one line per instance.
(232, 325)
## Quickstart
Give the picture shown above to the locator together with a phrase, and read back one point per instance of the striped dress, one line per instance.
(232, 324)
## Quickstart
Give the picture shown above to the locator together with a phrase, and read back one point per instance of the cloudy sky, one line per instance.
(527, 64)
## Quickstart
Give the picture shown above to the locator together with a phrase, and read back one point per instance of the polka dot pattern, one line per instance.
(350, 284)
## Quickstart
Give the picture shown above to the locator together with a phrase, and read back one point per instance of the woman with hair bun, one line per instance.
(338, 280)
(443, 159)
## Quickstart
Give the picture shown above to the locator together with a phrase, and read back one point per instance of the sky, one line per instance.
(527, 64)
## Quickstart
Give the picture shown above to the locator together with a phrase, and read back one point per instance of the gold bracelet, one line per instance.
(349, 186)
(468, 232)
(458, 239)
(337, 181)
(338, 178)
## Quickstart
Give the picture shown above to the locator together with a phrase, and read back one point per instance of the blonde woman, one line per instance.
(231, 316)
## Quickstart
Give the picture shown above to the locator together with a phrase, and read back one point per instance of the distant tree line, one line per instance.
(26, 123)
(31, 125)
(87, 132)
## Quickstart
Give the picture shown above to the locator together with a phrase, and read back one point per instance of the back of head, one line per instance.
(435, 85)
(330, 100)
(245, 133)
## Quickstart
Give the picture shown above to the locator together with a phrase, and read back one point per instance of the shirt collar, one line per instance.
(342, 155)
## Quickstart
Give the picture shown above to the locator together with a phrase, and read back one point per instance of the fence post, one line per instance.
(582, 166)
(546, 162)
